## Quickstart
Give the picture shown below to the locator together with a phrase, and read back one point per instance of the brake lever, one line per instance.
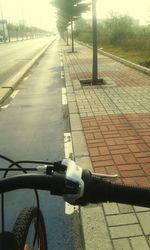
(73, 174)
(106, 176)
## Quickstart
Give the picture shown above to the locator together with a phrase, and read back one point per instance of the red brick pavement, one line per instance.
(120, 144)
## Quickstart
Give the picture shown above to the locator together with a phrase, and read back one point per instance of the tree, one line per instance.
(83, 31)
(119, 28)
(62, 24)
(70, 10)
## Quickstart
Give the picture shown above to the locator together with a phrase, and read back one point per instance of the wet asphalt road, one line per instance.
(32, 126)
(15, 55)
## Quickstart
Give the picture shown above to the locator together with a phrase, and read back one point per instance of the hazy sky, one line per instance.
(34, 12)
(41, 14)
(139, 9)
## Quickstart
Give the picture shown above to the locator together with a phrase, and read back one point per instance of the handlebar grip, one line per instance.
(55, 184)
(133, 195)
(99, 190)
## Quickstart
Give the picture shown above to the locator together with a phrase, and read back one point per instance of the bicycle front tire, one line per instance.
(30, 217)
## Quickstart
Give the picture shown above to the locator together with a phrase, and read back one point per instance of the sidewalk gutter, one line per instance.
(92, 228)
(9, 85)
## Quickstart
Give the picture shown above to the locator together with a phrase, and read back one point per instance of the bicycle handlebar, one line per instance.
(79, 186)
(99, 190)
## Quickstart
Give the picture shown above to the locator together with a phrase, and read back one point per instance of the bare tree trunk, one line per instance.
(67, 37)
(72, 35)
(94, 23)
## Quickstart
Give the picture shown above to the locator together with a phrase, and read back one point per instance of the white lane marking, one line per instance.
(4, 107)
(62, 74)
(61, 56)
(64, 91)
(70, 209)
(68, 145)
(64, 96)
(61, 64)
(68, 148)
(26, 78)
(15, 92)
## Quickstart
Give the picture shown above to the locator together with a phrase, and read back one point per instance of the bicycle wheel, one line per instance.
(29, 230)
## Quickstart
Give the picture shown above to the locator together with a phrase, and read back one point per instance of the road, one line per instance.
(16, 54)
(32, 126)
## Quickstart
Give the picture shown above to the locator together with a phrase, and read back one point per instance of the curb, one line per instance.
(9, 86)
(91, 227)
(126, 62)
(4, 93)
(120, 59)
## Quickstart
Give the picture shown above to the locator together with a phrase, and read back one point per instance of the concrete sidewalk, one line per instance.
(110, 127)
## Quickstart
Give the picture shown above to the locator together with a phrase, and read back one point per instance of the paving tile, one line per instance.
(121, 219)
(122, 244)
(125, 231)
(139, 243)
(141, 209)
(110, 208)
(123, 208)
(144, 218)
